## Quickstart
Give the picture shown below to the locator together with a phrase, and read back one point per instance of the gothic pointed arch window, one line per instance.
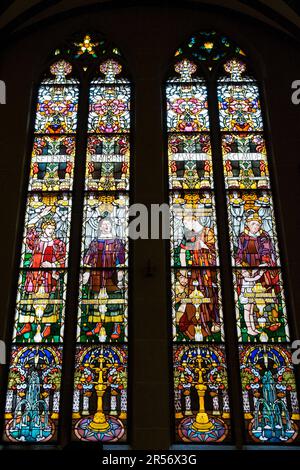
(78, 195)
(221, 190)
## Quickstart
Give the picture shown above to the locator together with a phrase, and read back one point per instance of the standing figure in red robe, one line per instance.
(48, 252)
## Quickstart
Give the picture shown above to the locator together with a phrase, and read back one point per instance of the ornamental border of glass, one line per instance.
(213, 93)
(39, 380)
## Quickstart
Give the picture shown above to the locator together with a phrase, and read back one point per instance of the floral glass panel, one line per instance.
(107, 163)
(193, 229)
(271, 409)
(57, 102)
(252, 229)
(245, 161)
(186, 97)
(109, 110)
(57, 110)
(190, 165)
(187, 108)
(33, 395)
(239, 103)
(197, 308)
(47, 226)
(103, 305)
(201, 399)
(105, 231)
(40, 306)
(100, 393)
(260, 305)
(52, 163)
(239, 108)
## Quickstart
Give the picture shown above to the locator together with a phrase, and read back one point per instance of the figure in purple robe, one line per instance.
(106, 251)
(255, 247)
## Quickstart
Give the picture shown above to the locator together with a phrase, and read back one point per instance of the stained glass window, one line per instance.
(228, 103)
(100, 388)
(271, 410)
(42, 308)
(217, 157)
(33, 396)
(201, 400)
